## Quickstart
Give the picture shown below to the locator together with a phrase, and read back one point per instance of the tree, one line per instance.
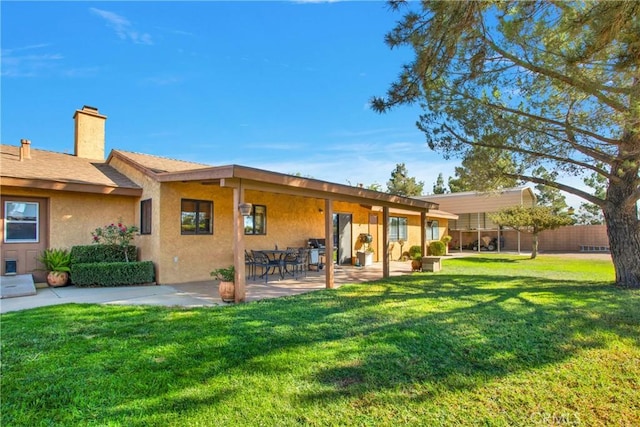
(559, 82)
(532, 220)
(549, 196)
(589, 213)
(403, 185)
(478, 171)
(439, 187)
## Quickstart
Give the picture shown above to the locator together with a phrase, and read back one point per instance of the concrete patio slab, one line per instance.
(196, 294)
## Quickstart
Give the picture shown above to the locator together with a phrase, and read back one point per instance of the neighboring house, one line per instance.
(473, 209)
(188, 213)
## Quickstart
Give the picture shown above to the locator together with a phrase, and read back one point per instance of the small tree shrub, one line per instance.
(118, 235)
(437, 248)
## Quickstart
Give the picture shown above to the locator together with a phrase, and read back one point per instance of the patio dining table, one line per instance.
(276, 261)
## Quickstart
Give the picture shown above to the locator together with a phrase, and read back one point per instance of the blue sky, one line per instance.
(282, 86)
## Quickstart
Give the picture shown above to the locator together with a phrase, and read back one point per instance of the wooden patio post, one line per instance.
(238, 245)
(385, 242)
(328, 244)
(423, 232)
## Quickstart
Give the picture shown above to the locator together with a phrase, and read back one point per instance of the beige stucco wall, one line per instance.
(149, 247)
(73, 216)
(414, 234)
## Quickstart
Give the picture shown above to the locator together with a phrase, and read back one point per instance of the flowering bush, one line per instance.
(115, 234)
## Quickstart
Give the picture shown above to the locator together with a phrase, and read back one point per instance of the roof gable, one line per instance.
(157, 164)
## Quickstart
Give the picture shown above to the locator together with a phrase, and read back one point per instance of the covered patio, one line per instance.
(197, 293)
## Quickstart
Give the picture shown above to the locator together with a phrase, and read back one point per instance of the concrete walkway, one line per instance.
(195, 294)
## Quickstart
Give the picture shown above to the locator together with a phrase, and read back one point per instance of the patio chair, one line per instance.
(296, 261)
(261, 260)
(250, 264)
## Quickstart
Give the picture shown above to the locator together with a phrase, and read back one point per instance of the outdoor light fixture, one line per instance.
(245, 209)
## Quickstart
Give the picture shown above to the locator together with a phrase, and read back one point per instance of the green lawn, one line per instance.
(492, 340)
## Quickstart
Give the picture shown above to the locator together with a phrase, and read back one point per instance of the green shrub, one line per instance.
(56, 260)
(415, 252)
(224, 274)
(437, 248)
(101, 253)
(112, 273)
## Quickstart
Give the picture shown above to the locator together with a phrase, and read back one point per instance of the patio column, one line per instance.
(479, 233)
(238, 245)
(385, 242)
(423, 232)
(328, 240)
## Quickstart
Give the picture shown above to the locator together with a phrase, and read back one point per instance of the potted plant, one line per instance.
(226, 287)
(416, 262)
(415, 253)
(57, 262)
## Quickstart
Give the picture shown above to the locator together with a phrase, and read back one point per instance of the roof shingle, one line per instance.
(59, 167)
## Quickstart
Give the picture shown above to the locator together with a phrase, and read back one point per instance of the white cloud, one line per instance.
(122, 27)
(29, 65)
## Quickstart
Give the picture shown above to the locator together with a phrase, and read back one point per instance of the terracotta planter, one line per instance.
(57, 278)
(227, 291)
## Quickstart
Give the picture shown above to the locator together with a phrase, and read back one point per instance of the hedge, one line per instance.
(101, 253)
(112, 273)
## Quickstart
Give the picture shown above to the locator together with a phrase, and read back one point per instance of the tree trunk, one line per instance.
(534, 246)
(623, 229)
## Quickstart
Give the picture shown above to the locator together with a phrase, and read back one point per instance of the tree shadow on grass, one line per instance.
(445, 332)
(493, 332)
(485, 260)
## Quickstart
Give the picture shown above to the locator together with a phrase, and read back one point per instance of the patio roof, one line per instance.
(236, 176)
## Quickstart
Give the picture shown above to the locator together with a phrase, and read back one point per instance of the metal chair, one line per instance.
(296, 261)
(260, 259)
(250, 263)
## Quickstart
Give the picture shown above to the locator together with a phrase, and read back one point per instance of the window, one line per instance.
(397, 228)
(21, 220)
(433, 230)
(145, 216)
(196, 217)
(256, 223)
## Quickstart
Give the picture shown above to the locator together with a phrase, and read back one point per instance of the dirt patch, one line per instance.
(580, 255)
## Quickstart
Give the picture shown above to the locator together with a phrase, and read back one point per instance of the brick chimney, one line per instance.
(89, 134)
(25, 149)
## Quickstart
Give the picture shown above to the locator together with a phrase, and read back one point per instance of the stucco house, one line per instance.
(188, 213)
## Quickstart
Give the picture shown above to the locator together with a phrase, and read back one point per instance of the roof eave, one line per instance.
(77, 187)
(255, 177)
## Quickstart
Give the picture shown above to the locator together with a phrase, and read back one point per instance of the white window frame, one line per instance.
(8, 221)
